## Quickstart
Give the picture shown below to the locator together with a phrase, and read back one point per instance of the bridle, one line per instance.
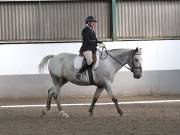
(133, 65)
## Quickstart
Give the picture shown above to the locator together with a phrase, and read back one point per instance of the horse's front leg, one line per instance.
(114, 99)
(95, 98)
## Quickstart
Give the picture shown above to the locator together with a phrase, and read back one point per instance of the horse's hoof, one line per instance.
(63, 114)
(42, 113)
(66, 115)
(121, 114)
(91, 115)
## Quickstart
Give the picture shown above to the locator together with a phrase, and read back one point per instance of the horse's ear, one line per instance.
(136, 49)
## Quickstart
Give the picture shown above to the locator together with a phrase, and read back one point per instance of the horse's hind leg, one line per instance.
(57, 97)
(114, 99)
(95, 98)
(50, 95)
(48, 104)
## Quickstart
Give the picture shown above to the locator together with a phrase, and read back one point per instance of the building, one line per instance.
(31, 29)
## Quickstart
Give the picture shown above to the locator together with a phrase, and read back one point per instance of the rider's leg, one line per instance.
(87, 65)
(88, 56)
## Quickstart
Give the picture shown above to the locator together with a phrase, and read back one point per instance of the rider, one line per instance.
(89, 44)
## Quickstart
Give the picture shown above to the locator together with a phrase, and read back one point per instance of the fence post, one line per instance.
(113, 14)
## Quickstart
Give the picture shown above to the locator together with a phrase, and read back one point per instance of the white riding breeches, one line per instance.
(88, 56)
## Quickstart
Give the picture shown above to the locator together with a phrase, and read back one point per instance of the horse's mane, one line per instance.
(120, 49)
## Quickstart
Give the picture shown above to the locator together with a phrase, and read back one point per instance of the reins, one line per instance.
(104, 48)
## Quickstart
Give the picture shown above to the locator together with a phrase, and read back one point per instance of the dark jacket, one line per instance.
(89, 41)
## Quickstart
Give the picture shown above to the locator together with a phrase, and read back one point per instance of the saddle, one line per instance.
(79, 60)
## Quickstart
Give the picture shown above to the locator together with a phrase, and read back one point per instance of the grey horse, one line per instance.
(61, 70)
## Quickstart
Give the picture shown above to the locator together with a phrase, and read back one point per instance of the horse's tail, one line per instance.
(44, 63)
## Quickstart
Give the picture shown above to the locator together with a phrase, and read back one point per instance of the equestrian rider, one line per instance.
(89, 44)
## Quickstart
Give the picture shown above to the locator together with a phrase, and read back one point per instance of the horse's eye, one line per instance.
(136, 60)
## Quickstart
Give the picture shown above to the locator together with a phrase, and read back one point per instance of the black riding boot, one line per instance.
(83, 68)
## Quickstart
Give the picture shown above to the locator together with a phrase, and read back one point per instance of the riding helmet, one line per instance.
(91, 19)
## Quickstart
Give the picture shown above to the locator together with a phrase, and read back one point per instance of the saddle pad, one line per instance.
(79, 59)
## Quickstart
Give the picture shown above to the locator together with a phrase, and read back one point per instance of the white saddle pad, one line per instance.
(79, 59)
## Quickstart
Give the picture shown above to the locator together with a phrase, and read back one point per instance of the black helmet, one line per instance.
(90, 19)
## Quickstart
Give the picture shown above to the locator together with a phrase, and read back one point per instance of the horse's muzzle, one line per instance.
(137, 76)
(138, 73)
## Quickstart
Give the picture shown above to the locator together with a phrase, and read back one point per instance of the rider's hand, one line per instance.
(101, 45)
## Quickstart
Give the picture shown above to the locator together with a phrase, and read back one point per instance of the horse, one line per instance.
(61, 70)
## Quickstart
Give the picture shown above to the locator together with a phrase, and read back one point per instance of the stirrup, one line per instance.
(78, 76)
